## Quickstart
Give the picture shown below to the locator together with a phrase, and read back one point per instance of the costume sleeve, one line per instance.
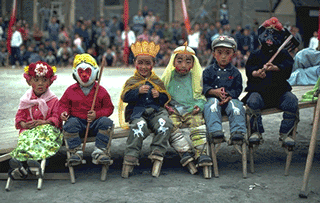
(163, 98)
(285, 65)
(236, 89)
(65, 103)
(207, 77)
(253, 64)
(131, 95)
(54, 117)
(106, 104)
(200, 103)
(21, 116)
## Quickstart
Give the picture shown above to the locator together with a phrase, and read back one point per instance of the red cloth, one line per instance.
(185, 16)
(11, 23)
(52, 115)
(77, 104)
(126, 50)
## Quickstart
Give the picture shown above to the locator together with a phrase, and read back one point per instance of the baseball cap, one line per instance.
(224, 41)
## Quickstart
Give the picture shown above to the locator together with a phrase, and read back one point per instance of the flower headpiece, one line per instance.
(39, 69)
(273, 23)
(145, 48)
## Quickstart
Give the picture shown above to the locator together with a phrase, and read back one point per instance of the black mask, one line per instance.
(270, 39)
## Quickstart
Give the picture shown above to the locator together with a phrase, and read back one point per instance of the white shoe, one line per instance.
(13, 67)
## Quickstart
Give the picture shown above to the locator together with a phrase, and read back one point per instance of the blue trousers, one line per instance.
(288, 102)
(77, 125)
(234, 110)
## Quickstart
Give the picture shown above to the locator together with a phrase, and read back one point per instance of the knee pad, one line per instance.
(179, 142)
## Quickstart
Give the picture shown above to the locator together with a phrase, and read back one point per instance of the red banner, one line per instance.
(126, 50)
(185, 16)
(11, 23)
(319, 26)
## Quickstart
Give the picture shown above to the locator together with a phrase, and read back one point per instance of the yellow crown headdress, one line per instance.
(145, 48)
(87, 58)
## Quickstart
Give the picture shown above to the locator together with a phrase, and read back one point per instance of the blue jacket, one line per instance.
(230, 78)
(137, 103)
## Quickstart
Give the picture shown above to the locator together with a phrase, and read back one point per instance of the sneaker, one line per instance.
(204, 159)
(13, 67)
(185, 157)
(255, 138)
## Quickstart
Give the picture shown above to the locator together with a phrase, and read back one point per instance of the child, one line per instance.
(182, 78)
(267, 84)
(222, 85)
(75, 109)
(37, 119)
(146, 96)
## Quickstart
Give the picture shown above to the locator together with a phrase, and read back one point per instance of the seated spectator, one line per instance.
(110, 57)
(36, 56)
(50, 58)
(238, 61)
(155, 38)
(47, 46)
(103, 42)
(3, 56)
(118, 40)
(64, 35)
(78, 43)
(167, 33)
(150, 19)
(138, 23)
(144, 36)
(63, 54)
(27, 54)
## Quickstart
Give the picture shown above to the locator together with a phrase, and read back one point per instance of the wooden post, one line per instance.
(312, 146)
(35, 12)
(101, 8)
(72, 13)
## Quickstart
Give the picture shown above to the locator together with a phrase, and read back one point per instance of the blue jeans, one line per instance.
(77, 125)
(234, 110)
(288, 102)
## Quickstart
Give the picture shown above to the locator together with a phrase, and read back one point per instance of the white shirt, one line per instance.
(313, 43)
(16, 39)
(194, 40)
(131, 37)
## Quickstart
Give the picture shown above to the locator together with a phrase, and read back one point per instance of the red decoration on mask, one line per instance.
(84, 74)
(231, 77)
(273, 23)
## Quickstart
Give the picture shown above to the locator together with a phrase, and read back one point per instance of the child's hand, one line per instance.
(220, 93)
(224, 101)
(259, 73)
(144, 89)
(40, 122)
(271, 67)
(155, 93)
(91, 116)
(27, 125)
(64, 116)
(195, 110)
(169, 109)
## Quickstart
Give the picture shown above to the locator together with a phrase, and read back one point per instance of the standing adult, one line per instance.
(53, 29)
(16, 41)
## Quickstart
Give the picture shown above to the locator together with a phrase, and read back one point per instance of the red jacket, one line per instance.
(77, 104)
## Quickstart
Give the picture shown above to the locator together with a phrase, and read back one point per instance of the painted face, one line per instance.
(39, 85)
(144, 65)
(183, 63)
(223, 56)
(84, 74)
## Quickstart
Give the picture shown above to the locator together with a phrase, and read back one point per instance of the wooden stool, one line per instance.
(104, 168)
(38, 172)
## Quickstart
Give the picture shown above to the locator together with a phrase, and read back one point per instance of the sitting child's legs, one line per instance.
(71, 131)
(102, 129)
(289, 104)
(138, 132)
(162, 126)
(237, 119)
(255, 103)
(213, 118)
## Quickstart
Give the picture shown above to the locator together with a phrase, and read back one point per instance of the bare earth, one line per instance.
(175, 183)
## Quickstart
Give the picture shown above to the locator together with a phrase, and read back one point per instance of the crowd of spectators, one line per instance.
(105, 38)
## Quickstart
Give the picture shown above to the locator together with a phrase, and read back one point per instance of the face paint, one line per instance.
(84, 74)
(39, 85)
(144, 65)
(183, 63)
(223, 56)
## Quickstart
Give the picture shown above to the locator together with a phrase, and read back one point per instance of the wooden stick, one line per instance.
(244, 159)
(93, 103)
(312, 146)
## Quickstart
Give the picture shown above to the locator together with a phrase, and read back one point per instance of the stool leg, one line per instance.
(251, 159)
(214, 160)
(41, 174)
(104, 171)
(8, 185)
(288, 162)
(244, 160)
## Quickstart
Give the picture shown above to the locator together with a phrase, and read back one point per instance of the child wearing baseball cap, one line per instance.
(222, 85)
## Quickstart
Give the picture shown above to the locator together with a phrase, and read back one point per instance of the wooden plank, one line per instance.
(5, 157)
(47, 176)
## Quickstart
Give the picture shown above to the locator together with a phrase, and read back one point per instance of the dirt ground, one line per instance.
(175, 184)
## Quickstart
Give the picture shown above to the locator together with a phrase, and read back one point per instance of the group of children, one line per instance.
(184, 97)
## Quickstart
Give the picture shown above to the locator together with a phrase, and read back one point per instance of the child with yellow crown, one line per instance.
(146, 96)
(75, 110)
(182, 78)
(37, 119)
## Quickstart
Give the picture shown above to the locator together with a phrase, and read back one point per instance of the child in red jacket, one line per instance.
(75, 109)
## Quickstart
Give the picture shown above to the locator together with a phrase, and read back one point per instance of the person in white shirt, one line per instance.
(194, 38)
(15, 43)
(314, 42)
(131, 40)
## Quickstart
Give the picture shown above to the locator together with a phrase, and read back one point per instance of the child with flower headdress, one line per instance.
(146, 97)
(37, 119)
(182, 78)
(75, 110)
